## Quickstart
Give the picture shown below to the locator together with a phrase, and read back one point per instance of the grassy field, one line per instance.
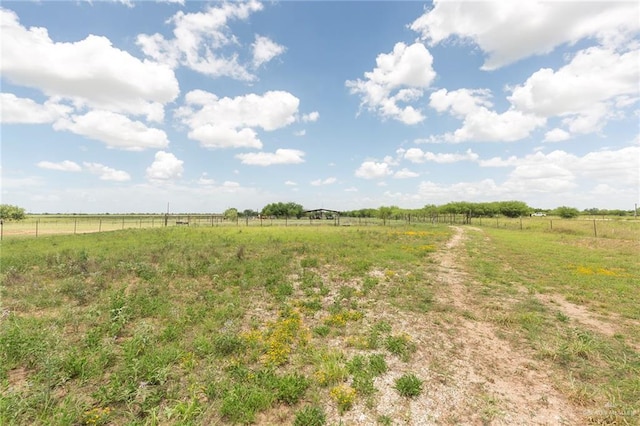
(284, 325)
(43, 225)
(576, 302)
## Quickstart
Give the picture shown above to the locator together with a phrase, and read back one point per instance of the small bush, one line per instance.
(291, 388)
(310, 416)
(409, 386)
(377, 364)
(227, 344)
(344, 396)
(322, 330)
(401, 345)
(242, 402)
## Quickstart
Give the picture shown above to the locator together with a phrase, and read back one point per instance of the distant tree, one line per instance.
(592, 211)
(10, 212)
(231, 214)
(385, 213)
(249, 213)
(283, 210)
(567, 212)
(513, 208)
(294, 210)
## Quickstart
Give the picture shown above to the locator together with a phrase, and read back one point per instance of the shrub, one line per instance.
(409, 386)
(344, 396)
(291, 388)
(310, 416)
(401, 345)
(567, 212)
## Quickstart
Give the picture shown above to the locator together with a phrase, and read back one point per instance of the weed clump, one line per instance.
(344, 396)
(310, 416)
(401, 346)
(408, 386)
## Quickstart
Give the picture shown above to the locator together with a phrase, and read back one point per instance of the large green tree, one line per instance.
(513, 208)
(10, 212)
(231, 213)
(281, 209)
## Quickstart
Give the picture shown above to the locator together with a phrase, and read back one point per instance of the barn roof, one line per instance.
(321, 211)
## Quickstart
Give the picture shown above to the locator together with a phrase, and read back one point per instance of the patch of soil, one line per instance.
(578, 313)
(17, 379)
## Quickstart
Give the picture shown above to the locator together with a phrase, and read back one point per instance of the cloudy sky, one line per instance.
(126, 106)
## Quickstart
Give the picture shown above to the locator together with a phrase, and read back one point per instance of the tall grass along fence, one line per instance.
(626, 229)
(41, 225)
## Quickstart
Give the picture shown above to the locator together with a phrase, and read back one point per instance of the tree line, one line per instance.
(467, 209)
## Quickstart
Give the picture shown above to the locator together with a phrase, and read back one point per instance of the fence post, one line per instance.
(75, 226)
(37, 221)
(100, 225)
(595, 231)
(551, 223)
(521, 223)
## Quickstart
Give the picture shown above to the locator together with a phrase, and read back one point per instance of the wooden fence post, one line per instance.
(595, 230)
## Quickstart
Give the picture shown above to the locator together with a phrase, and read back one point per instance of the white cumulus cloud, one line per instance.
(165, 167)
(405, 174)
(281, 156)
(115, 130)
(15, 110)
(399, 78)
(373, 170)
(264, 50)
(586, 91)
(89, 72)
(311, 117)
(229, 122)
(541, 25)
(556, 135)
(416, 155)
(198, 39)
(327, 181)
(107, 173)
(63, 166)
(481, 124)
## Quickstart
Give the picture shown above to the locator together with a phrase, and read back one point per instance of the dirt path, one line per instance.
(471, 376)
(514, 387)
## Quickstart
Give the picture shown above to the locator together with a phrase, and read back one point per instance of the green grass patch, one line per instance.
(409, 385)
(197, 325)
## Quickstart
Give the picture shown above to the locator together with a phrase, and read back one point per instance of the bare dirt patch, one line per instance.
(578, 313)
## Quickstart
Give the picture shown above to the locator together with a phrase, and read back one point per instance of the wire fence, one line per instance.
(44, 225)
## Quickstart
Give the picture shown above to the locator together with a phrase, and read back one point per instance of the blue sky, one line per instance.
(126, 106)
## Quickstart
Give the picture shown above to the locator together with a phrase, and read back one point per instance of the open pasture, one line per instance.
(599, 227)
(43, 225)
(319, 325)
